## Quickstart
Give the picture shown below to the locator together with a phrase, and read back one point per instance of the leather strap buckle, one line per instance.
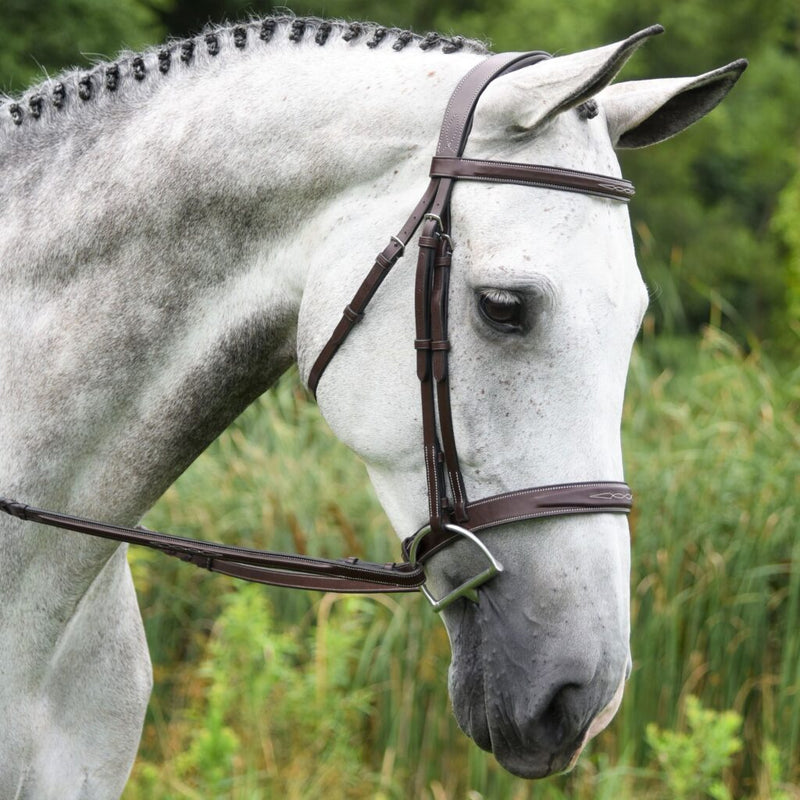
(437, 219)
(468, 589)
(399, 242)
(351, 314)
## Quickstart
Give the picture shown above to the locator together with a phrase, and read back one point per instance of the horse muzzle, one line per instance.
(531, 694)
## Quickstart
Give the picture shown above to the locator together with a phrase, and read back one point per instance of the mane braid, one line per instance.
(268, 29)
(43, 102)
(112, 77)
(297, 30)
(240, 37)
(212, 43)
(377, 37)
(35, 104)
(85, 87)
(164, 61)
(139, 70)
(59, 95)
(353, 31)
(323, 32)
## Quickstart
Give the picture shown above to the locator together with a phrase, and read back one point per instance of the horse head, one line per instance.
(545, 302)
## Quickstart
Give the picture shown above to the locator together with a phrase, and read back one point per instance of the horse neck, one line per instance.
(155, 249)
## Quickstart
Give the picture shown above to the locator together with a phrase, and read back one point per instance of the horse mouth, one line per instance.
(533, 755)
(521, 755)
(541, 727)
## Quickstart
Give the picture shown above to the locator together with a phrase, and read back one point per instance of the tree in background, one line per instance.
(46, 36)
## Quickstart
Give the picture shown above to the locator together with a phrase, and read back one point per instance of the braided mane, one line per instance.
(83, 87)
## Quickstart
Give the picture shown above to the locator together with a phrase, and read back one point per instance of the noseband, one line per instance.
(452, 516)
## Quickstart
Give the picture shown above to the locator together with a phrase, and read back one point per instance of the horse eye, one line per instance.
(502, 310)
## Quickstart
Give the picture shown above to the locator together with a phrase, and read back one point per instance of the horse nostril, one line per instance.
(559, 721)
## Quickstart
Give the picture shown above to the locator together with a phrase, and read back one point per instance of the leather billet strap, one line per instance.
(260, 566)
(354, 310)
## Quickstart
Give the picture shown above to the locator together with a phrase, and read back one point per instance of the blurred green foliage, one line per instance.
(49, 35)
(249, 680)
(693, 761)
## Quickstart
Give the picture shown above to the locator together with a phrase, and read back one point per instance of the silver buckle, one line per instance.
(440, 233)
(437, 219)
(468, 588)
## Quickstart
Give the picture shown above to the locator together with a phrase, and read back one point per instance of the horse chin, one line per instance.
(533, 758)
(525, 759)
(538, 731)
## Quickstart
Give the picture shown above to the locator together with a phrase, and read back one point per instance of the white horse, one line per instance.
(179, 226)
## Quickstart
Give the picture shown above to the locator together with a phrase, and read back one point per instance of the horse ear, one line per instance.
(641, 113)
(530, 97)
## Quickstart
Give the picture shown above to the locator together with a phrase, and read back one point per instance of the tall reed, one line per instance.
(258, 690)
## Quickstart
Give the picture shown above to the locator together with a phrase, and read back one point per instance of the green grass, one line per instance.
(264, 692)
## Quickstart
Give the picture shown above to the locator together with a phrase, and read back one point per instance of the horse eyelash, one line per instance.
(501, 297)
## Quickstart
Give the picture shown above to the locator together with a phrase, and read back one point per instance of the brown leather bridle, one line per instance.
(452, 516)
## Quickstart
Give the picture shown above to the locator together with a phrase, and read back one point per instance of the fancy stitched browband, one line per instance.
(451, 515)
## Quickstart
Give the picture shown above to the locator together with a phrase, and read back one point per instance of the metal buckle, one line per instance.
(436, 218)
(399, 242)
(440, 233)
(468, 588)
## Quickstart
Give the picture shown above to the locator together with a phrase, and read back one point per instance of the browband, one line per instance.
(568, 180)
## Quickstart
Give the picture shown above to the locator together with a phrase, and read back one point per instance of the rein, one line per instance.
(452, 516)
